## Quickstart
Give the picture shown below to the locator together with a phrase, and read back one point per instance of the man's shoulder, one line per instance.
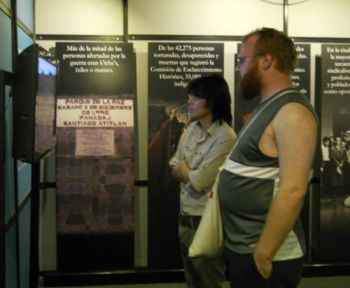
(292, 104)
(296, 110)
(294, 96)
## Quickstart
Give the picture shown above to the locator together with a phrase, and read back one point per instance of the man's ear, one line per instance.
(266, 61)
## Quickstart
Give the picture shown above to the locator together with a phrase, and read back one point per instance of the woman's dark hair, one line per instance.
(214, 90)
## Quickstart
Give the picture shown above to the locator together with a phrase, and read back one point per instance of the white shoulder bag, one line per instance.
(208, 239)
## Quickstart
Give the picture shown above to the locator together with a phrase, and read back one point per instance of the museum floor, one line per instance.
(309, 282)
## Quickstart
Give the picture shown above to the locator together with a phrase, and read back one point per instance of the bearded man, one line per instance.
(263, 182)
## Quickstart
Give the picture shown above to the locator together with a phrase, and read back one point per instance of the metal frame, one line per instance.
(34, 226)
(144, 37)
(2, 179)
(5, 79)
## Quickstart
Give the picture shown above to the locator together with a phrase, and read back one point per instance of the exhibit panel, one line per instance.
(334, 233)
(95, 155)
(171, 67)
(301, 74)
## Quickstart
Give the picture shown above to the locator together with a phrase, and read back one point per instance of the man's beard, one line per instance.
(250, 84)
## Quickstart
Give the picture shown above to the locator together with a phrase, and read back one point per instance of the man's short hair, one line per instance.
(278, 44)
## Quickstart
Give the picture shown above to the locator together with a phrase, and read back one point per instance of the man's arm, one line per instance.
(294, 132)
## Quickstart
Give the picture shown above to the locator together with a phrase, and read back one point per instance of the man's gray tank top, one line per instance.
(249, 180)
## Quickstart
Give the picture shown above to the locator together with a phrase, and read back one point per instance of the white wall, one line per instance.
(308, 18)
(320, 18)
(79, 17)
(201, 17)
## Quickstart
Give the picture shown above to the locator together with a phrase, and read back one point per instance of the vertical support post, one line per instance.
(6, 78)
(14, 32)
(34, 226)
(2, 179)
(285, 16)
(126, 20)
